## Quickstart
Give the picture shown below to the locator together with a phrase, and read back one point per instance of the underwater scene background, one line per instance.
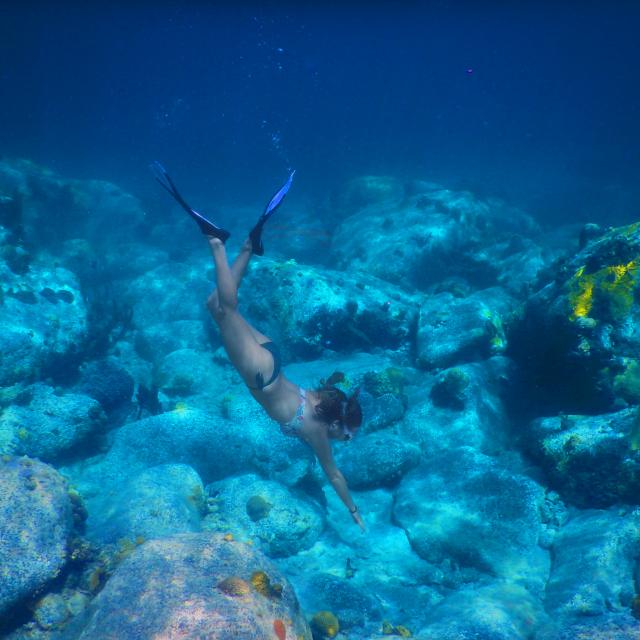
(461, 240)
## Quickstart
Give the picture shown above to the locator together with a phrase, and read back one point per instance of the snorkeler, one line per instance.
(316, 416)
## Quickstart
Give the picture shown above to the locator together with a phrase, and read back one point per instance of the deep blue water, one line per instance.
(536, 102)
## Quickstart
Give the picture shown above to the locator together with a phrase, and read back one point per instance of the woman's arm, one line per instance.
(322, 448)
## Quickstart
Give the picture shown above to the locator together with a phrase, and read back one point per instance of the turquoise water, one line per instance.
(459, 243)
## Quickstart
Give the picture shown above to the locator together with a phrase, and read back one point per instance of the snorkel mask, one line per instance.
(347, 432)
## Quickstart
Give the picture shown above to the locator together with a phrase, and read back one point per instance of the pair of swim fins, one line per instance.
(206, 226)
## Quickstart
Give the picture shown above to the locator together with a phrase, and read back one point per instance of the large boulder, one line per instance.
(265, 511)
(215, 447)
(456, 330)
(54, 208)
(463, 509)
(592, 461)
(579, 339)
(309, 310)
(595, 556)
(420, 233)
(461, 406)
(50, 424)
(500, 611)
(197, 585)
(43, 321)
(36, 523)
(157, 502)
(377, 460)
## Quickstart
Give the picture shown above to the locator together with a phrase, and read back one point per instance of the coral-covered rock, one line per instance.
(612, 626)
(462, 406)
(456, 330)
(180, 587)
(158, 502)
(154, 341)
(377, 460)
(464, 509)
(171, 292)
(108, 382)
(215, 447)
(500, 611)
(421, 233)
(309, 310)
(50, 424)
(592, 461)
(35, 526)
(43, 321)
(340, 599)
(55, 208)
(594, 558)
(579, 339)
(264, 511)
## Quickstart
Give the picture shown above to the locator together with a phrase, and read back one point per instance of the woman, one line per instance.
(316, 416)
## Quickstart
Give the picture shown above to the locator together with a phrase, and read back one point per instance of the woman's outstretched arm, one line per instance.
(322, 448)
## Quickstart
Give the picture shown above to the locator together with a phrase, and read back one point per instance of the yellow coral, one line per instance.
(262, 584)
(326, 624)
(613, 286)
(234, 587)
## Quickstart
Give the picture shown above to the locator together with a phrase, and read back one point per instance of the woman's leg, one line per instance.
(238, 268)
(238, 336)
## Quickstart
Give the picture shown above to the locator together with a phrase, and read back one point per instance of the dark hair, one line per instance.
(336, 405)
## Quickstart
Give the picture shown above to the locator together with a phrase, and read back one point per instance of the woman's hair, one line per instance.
(336, 405)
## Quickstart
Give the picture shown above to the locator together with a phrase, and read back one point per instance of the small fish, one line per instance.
(280, 629)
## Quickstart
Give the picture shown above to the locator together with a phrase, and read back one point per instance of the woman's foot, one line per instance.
(206, 226)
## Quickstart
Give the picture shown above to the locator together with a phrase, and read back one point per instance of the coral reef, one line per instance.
(325, 625)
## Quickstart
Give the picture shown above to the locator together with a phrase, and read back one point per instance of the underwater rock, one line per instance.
(289, 526)
(39, 337)
(592, 461)
(621, 626)
(364, 191)
(377, 460)
(428, 233)
(168, 588)
(187, 372)
(479, 421)
(155, 341)
(500, 611)
(215, 447)
(158, 502)
(170, 292)
(108, 382)
(50, 424)
(35, 526)
(595, 555)
(463, 509)
(349, 603)
(55, 208)
(453, 330)
(309, 310)
(449, 389)
(579, 334)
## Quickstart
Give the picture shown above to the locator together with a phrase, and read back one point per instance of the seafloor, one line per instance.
(144, 494)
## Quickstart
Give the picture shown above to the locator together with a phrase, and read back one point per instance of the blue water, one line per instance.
(460, 244)
(537, 102)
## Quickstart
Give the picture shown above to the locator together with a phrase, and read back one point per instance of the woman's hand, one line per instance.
(358, 519)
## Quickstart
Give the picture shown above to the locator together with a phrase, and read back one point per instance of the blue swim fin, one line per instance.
(206, 226)
(256, 233)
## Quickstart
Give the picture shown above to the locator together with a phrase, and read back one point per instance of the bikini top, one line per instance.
(291, 428)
